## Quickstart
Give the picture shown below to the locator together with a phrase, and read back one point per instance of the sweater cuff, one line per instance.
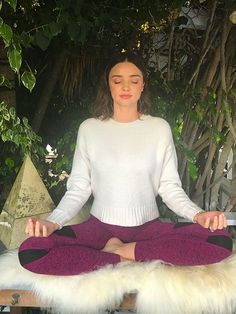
(198, 212)
(56, 223)
(57, 217)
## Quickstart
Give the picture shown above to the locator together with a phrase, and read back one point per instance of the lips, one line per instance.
(125, 96)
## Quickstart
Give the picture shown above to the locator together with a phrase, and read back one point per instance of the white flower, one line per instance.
(51, 174)
(49, 148)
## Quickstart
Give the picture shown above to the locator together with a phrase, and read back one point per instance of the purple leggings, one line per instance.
(76, 249)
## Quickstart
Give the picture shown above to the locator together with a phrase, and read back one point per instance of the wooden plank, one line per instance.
(26, 298)
(22, 298)
(18, 310)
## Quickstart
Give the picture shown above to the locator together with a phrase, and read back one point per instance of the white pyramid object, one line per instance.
(28, 198)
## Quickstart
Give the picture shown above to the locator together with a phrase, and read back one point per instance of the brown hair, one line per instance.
(103, 105)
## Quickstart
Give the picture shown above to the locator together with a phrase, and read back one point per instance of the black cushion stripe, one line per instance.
(66, 231)
(222, 241)
(182, 224)
(28, 256)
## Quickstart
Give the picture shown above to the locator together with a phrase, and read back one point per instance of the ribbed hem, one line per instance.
(126, 217)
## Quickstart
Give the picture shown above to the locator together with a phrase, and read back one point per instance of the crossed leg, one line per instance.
(178, 244)
(72, 250)
(93, 244)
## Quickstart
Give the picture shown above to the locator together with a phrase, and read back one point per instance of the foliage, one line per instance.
(191, 86)
(167, 102)
(13, 44)
(17, 139)
(59, 164)
(106, 25)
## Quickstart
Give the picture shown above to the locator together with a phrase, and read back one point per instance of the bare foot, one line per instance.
(125, 250)
(112, 245)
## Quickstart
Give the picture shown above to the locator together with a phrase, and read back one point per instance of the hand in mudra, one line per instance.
(40, 227)
(213, 220)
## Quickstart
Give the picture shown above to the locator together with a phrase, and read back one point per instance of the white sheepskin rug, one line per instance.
(160, 288)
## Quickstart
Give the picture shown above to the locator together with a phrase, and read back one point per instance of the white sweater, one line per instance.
(125, 166)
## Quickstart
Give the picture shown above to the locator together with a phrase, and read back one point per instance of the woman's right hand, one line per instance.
(40, 227)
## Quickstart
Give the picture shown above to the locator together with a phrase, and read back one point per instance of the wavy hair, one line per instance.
(103, 105)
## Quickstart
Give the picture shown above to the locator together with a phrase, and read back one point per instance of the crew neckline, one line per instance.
(140, 119)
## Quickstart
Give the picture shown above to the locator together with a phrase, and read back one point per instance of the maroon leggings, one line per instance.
(76, 249)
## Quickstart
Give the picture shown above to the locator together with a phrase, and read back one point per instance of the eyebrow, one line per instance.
(133, 75)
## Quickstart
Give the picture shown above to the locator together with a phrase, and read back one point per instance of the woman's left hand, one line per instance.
(213, 220)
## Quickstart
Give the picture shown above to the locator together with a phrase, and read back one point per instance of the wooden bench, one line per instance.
(20, 300)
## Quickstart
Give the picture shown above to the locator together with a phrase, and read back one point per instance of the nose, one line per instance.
(126, 86)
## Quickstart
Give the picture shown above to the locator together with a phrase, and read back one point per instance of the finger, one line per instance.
(221, 221)
(27, 226)
(37, 229)
(225, 223)
(45, 232)
(31, 228)
(207, 223)
(214, 225)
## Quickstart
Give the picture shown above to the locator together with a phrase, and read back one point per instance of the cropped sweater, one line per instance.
(125, 166)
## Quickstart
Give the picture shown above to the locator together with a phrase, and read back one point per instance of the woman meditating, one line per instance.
(124, 157)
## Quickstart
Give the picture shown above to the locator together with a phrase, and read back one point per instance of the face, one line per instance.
(126, 84)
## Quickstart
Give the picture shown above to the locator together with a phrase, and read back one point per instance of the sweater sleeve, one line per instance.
(78, 185)
(170, 187)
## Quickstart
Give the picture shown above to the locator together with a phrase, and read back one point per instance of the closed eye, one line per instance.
(116, 80)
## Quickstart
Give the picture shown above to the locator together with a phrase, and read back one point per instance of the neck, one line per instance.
(125, 115)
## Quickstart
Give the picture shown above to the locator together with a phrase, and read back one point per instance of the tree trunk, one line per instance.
(47, 91)
(220, 170)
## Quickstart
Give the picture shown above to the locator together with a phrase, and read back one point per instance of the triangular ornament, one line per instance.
(27, 198)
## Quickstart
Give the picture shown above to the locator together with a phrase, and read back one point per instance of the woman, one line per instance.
(125, 158)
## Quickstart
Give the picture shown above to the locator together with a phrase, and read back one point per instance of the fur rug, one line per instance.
(161, 288)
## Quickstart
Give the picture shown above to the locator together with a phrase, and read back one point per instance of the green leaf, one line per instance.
(15, 59)
(233, 92)
(1, 123)
(9, 162)
(0, 5)
(4, 137)
(9, 134)
(41, 40)
(12, 112)
(74, 30)
(192, 169)
(26, 39)
(1, 21)
(2, 79)
(53, 29)
(16, 122)
(16, 44)
(6, 115)
(63, 19)
(6, 33)
(5, 82)
(17, 139)
(25, 121)
(28, 79)
(12, 3)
